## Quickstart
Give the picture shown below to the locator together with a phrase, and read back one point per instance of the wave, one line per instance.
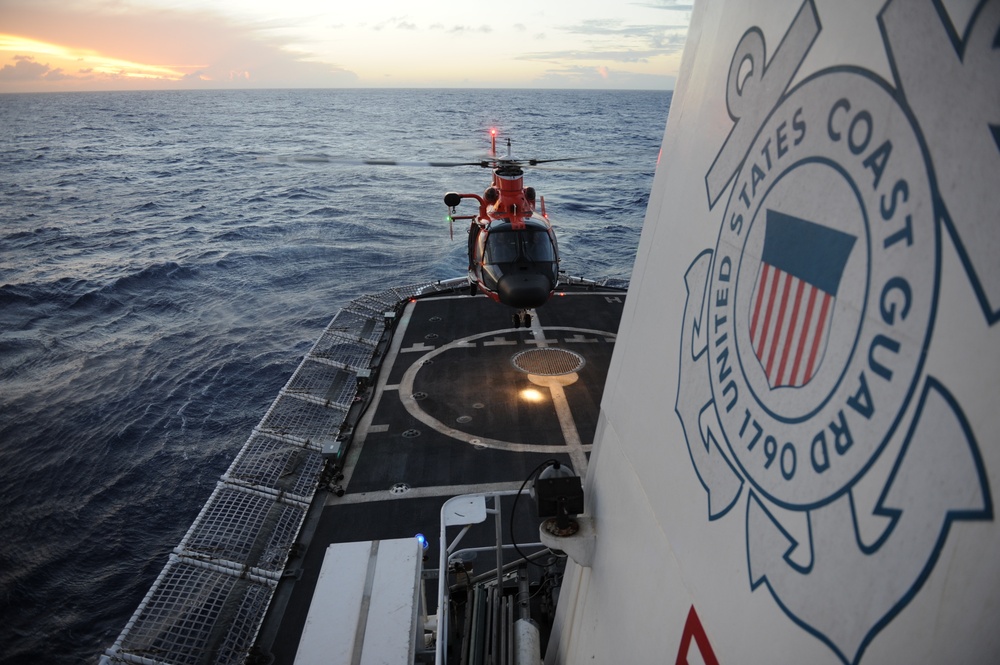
(65, 290)
(150, 277)
(40, 232)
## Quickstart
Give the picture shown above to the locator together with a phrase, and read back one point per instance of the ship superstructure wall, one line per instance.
(797, 455)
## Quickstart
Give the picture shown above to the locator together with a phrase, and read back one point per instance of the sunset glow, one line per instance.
(51, 45)
(82, 62)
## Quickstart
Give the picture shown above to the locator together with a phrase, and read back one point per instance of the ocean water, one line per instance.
(164, 266)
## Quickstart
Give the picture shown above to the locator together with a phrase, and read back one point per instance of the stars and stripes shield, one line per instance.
(791, 308)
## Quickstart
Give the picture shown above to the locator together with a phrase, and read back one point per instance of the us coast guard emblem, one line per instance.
(805, 335)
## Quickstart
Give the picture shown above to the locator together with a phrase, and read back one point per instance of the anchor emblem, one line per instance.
(806, 331)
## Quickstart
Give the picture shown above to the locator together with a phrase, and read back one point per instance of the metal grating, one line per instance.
(176, 622)
(367, 303)
(365, 326)
(343, 351)
(402, 293)
(274, 465)
(286, 522)
(615, 283)
(302, 422)
(610, 282)
(240, 528)
(414, 290)
(324, 383)
(235, 646)
(548, 361)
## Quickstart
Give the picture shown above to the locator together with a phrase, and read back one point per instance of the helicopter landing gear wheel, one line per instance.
(521, 319)
(516, 319)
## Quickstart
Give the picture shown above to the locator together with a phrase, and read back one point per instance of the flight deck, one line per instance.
(461, 403)
(410, 397)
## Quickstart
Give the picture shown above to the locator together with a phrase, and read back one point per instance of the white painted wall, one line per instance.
(899, 552)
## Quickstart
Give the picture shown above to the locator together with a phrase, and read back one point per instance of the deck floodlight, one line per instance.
(560, 499)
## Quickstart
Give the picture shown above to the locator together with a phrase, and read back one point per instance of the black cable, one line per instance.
(549, 462)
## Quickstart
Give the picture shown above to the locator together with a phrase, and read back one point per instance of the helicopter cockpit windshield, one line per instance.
(521, 265)
(507, 246)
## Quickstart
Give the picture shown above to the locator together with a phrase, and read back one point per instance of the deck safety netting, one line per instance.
(274, 466)
(325, 384)
(177, 621)
(242, 529)
(342, 351)
(297, 421)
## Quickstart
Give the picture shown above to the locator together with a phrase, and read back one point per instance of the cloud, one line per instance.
(156, 44)
(670, 5)
(611, 53)
(200, 75)
(582, 76)
(611, 39)
(595, 54)
(56, 75)
(464, 29)
(460, 29)
(615, 28)
(128, 46)
(24, 69)
(403, 23)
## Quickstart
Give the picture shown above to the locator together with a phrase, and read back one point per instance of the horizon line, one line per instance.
(266, 88)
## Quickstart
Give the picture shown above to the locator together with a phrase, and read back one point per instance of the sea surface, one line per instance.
(166, 258)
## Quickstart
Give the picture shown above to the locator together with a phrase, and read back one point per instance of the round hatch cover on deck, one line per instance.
(548, 362)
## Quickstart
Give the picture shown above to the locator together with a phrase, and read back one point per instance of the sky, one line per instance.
(63, 45)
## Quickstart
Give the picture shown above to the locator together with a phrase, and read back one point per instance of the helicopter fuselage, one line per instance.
(516, 267)
(513, 254)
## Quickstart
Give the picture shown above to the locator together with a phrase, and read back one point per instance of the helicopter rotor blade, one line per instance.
(595, 158)
(323, 159)
(594, 169)
(536, 164)
(396, 162)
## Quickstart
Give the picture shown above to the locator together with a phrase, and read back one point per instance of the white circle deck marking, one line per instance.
(406, 391)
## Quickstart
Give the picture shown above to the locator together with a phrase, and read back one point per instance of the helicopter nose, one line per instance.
(524, 290)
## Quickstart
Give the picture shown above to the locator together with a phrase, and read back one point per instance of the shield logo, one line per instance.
(791, 308)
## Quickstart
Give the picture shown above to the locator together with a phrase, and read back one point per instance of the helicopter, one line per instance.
(512, 247)
(513, 252)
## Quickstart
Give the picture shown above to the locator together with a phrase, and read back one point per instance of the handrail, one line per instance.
(465, 510)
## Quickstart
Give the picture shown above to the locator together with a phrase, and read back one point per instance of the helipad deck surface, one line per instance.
(462, 403)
